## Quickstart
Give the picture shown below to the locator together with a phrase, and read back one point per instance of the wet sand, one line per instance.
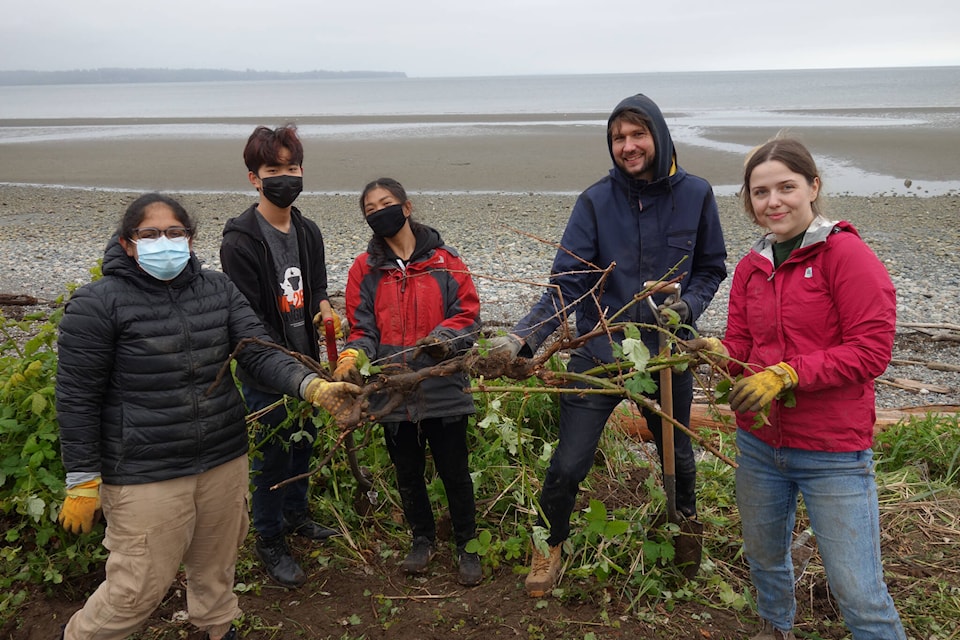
(513, 154)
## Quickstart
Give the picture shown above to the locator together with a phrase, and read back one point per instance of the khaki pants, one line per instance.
(198, 520)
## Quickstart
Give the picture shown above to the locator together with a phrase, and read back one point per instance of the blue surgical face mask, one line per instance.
(163, 258)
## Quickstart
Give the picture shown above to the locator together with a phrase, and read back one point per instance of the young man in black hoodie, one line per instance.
(276, 258)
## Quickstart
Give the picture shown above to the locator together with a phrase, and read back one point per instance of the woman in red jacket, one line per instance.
(813, 312)
(411, 300)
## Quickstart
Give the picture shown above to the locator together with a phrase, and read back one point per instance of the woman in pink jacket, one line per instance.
(813, 312)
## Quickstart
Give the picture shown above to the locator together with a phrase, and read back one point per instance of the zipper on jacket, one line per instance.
(185, 328)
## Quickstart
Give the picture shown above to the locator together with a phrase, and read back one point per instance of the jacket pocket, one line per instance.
(679, 245)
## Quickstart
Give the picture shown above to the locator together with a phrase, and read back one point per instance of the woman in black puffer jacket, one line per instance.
(146, 433)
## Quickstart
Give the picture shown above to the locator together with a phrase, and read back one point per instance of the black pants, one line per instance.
(582, 419)
(447, 437)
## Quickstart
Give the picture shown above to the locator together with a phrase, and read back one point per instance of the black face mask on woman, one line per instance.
(282, 190)
(388, 221)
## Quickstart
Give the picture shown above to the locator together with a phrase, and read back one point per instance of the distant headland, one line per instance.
(129, 76)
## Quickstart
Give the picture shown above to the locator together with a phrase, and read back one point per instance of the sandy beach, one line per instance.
(501, 153)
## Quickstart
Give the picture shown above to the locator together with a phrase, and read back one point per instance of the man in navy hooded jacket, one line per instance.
(646, 215)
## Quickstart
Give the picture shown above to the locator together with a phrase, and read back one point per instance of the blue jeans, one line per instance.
(447, 437)
(840, 494)
(582, 419)
(278, 459)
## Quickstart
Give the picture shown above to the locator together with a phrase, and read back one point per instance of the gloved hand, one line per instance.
(508, 344)
(80, 507)
(680, 307)
(712, 345)
(336, 397)
(433, 347)
(759, 390)
(337, 325)
(346, 370)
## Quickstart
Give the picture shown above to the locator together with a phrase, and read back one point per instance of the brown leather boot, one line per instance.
(544, 572)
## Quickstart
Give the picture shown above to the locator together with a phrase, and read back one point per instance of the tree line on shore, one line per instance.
(116, 75)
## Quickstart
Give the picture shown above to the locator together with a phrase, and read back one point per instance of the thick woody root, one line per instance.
(394, 385)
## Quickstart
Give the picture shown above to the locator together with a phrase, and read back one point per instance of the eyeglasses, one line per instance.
(152, 233)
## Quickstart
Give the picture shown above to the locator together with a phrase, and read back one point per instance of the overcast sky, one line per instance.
(478, 37)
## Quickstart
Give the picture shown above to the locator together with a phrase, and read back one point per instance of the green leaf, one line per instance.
(636, 352)
(641, 384)
(616, 528)
(34, 508)
(38, 404)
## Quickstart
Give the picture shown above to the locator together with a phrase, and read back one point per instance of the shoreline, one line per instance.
(554, 153)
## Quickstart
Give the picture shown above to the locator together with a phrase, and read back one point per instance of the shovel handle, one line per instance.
(666, 402)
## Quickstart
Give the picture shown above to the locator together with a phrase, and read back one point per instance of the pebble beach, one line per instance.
(51, 237)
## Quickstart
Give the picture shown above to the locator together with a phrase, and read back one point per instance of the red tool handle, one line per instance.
(331, 342)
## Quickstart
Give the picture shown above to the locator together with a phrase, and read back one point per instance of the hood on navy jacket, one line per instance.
(666, 153)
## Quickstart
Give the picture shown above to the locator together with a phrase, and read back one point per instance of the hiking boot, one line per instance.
(420, 556)
(769, 632)
(279, 564)
(544, 572)
(302, 525)
(469, 571)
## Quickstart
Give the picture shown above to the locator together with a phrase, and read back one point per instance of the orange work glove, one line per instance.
(337, 398)
(337, 325)
(759, 390)
(346, 370)
(81, 507)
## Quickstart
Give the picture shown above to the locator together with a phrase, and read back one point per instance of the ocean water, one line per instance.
(693, 103)
(723, 91)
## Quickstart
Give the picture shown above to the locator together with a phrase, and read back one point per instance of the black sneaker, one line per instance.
(420, 556)
(469, 571)
(279, 564)
(301, 525)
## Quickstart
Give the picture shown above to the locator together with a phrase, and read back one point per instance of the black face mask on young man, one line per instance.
(282, 190)
(388, 221)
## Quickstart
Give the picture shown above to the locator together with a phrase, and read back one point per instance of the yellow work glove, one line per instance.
(711, 345)
(346, 370)
(337, 325)
(80, 507)
(337, 398)
(759, 390)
